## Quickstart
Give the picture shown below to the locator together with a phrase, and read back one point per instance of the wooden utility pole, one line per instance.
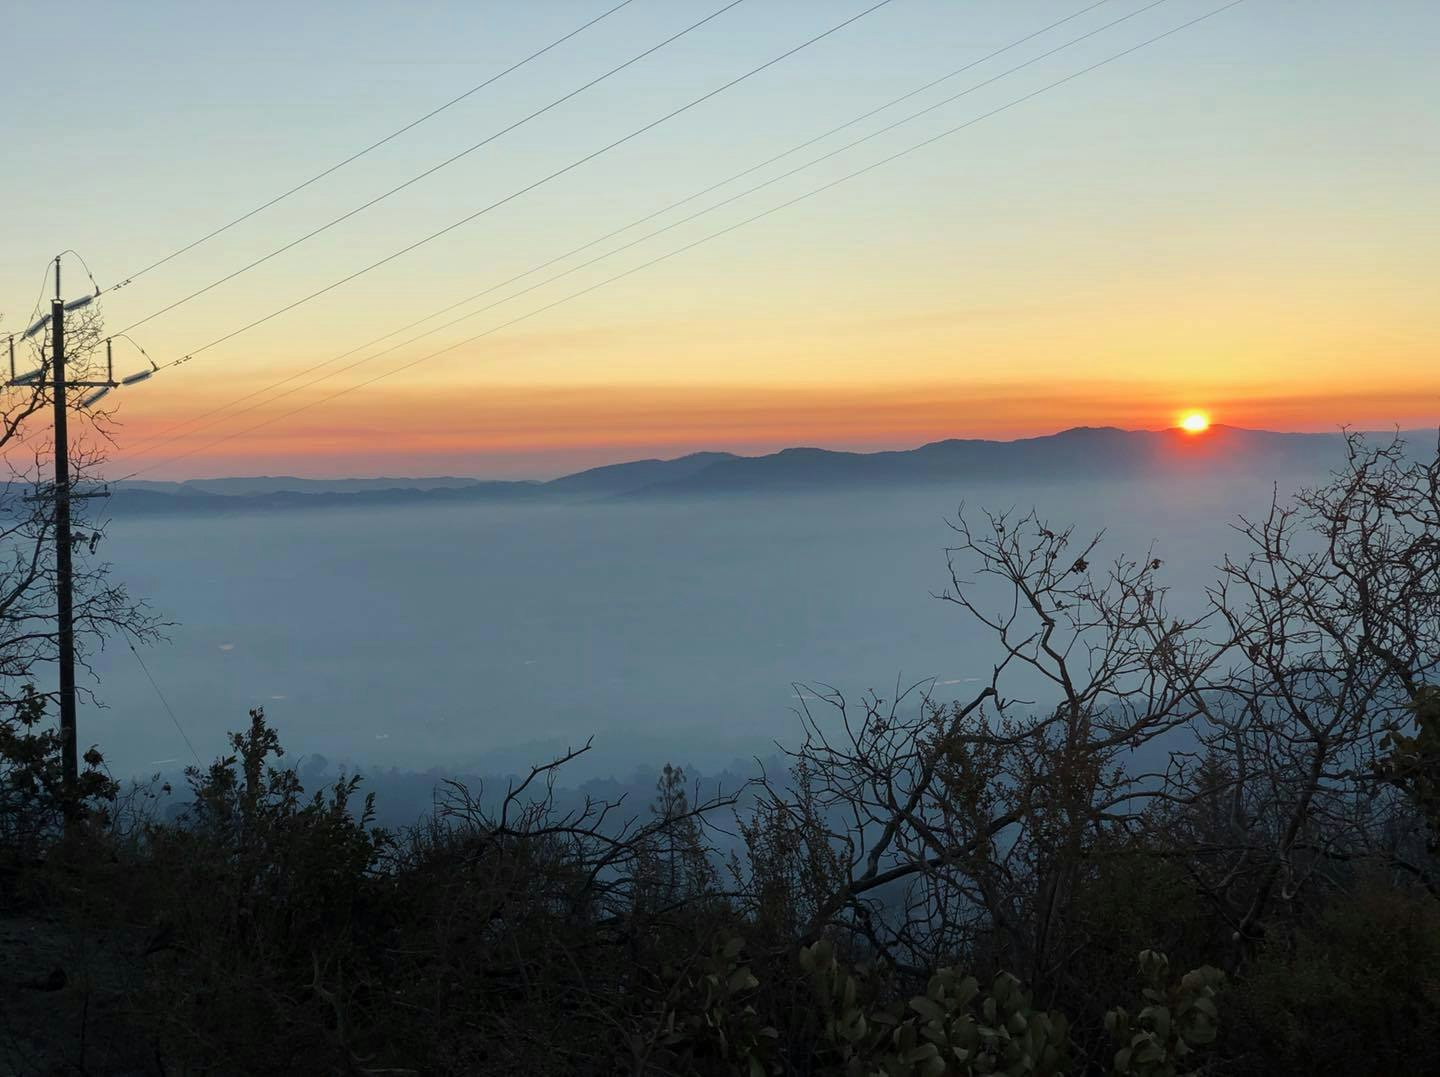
(63, 494)
(64, 572)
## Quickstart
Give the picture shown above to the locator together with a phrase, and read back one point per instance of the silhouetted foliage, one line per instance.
(935, 888)
(1412, 762)
(33, 800)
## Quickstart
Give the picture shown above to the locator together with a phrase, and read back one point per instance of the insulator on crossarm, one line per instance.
(141, 376)
(28, 379)
(41, 324)
(83, 301)
(94, 397)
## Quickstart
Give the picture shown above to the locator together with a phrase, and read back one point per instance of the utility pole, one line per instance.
(64, 576)
(64, 540)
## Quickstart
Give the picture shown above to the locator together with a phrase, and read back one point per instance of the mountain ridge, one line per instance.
(1078, 452)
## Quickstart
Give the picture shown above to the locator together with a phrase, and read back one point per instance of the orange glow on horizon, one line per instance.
(538, 430)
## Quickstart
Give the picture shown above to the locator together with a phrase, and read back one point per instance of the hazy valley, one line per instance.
(664, 606)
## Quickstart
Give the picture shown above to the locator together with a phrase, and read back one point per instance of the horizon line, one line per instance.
(1339, 431)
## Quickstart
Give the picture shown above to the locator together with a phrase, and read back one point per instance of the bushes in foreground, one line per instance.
(274, 932)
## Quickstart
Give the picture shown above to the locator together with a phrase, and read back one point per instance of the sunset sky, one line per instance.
(1238, 218)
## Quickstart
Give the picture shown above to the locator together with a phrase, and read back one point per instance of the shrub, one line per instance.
(1357, 990)
(260, 907)
(34, 803)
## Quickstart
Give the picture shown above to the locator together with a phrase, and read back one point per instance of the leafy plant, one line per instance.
(1412, 763)
(1175, 1020)
(34, 801)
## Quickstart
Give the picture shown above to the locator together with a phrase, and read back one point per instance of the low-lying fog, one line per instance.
(478, 638)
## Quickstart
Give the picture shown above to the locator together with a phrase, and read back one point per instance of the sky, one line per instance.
(1235, 219)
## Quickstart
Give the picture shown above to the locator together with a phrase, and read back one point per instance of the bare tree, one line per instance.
(1235, 740)
(968, 822)
(1335, 619)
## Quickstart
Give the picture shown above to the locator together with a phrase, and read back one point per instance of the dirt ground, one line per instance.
(64, 997)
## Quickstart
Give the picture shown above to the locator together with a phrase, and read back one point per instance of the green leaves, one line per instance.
(742, 979)
(928, 1009)
(952, 1029)
(1412, 763)
(712, 1016)
(33, 797)
(1177, 1019)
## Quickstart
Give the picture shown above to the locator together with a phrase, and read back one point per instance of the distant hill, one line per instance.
(1079, 453)
(638, 474)
(1082, 452)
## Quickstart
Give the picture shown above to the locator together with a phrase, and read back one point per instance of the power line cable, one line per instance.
(45, 280)
(529, 187)
(83, 265)
(42, 342)
(162, 435)
(698, 242)
(373, 146)
(44, 287)
(166, 704)
(642, 239)
(433, 169)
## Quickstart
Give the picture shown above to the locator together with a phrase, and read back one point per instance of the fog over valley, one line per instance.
(482, 635)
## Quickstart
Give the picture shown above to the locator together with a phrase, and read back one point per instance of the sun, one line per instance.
(1195, 422)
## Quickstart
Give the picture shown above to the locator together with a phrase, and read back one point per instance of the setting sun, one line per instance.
(1195, 422)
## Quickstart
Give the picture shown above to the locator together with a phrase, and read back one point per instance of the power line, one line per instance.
(44, 287)
(45, 279)
(702, 240)
(529, 187)
(163, 439)
(83, 265)
(166, 704)
(653, 234)
(373, 146)
(433, 169)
